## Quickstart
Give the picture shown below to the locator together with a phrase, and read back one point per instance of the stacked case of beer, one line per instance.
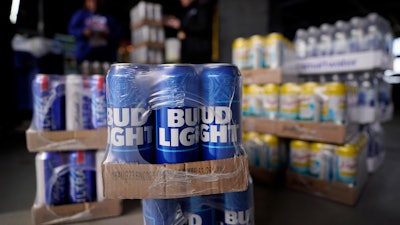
(356, 52)
(339, 96)
(175, 142)
(68, 112)
(147, 33)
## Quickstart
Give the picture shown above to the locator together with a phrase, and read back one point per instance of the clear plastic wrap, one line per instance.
(336, 172)
(174, 130)
(228, 208)
(68, 188)
(69, 112)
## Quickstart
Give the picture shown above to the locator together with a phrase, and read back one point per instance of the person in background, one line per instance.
(194, 29)
(97, 34)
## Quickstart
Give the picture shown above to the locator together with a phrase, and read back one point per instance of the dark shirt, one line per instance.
(196, 22)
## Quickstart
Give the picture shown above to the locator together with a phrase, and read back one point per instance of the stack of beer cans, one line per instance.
(68, 103)
(179, 113)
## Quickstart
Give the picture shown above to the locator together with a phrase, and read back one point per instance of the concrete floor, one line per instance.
(379, 202)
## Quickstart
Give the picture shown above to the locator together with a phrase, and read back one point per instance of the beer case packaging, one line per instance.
(65, 139)
(336, 191)
(139, 178)
(49, 214)
(42, 213)
(336, 128)
(56, 123)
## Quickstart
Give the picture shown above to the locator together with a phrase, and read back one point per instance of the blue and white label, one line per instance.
(237, 217)
(99, 110)
(217, 126)
(129, 128)
(179, 129)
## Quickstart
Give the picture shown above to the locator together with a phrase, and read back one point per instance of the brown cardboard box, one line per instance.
(311, 131)
(264, 76)
(65, 140)
(138, 181)
(259, 124)
(76, 212)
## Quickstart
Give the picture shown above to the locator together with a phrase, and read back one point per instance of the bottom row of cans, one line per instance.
(264, 150)
(67, 177)
(219, 209)
(325, 161)
(320, 160)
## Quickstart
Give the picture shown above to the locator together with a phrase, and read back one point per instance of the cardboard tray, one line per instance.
(76, 212)
(138, 181)
(144, 22)
(321, 132)
(65, 140)
(309, 131)
(334, 191)
(267, 75)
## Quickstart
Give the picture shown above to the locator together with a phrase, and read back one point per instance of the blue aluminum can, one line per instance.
(201, 209)
(220, 129)
(78, 102)
(48, 102)
(175, 103)
(238, 207)
(86, 104)
(41, 102)
(52, 178)
(129, 116)
(162, 211)
(57, 102)
(98, 104)
(82, 176)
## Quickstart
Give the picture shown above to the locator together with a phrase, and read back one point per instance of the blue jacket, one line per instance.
(84, 49)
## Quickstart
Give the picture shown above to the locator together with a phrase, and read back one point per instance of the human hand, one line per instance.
(172, 21)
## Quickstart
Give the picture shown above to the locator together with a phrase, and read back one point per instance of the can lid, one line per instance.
(240, 42)
(290, 87)
(252, 135)
(299, 144)
(253, 89)
(270, 139)
(309, 87)
(270, 88)
(346, 150)
(335, 88)
(276, 35)
(316, 146)
(256, 39)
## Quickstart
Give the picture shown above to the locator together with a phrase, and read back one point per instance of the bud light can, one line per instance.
(78, 103)
(200, 210)
(162, 211)
(221, 113)
(175, 102)
(98, 104)
(238, 207)
(51, 178)
(129, 120)
(57, 102)
(82, 176)
(48, 102)
(41, 102)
